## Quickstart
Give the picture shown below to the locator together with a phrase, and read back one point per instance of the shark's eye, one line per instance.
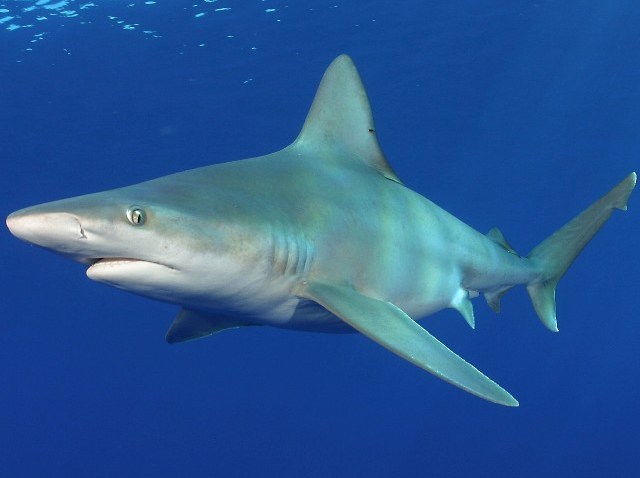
(136, 215)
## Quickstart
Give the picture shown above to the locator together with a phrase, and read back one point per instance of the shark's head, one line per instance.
(115, 236)
(138, 239)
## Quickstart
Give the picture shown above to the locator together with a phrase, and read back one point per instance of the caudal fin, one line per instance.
(556, 253)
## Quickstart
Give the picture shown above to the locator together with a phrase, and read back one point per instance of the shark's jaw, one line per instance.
(135, 275)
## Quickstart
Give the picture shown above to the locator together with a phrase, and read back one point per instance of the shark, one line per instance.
(320, 236)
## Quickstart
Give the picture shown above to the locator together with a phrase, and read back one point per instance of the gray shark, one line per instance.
(320, 236)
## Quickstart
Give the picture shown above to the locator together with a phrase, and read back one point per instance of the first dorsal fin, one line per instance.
(340, 116)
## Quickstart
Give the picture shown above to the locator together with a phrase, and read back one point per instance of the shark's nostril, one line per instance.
(82, 234)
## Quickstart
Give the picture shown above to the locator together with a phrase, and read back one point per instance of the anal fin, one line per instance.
(191, 325)
(493, 298)
(388, 325)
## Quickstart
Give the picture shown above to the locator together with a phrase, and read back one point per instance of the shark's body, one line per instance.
(319, 236)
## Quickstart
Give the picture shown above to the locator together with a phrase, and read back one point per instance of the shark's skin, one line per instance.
(319, 236)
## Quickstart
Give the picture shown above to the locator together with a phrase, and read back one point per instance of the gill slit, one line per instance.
(290, 254)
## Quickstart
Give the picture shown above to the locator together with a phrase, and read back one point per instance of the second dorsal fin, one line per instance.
(496, 236)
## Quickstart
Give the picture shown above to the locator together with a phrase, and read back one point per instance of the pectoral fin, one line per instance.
(391, 327)
(191, 325)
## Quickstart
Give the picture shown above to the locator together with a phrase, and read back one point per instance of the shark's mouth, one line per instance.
(112, 260)
(100, 265)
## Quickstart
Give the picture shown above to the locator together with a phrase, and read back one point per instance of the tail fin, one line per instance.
(556, 253)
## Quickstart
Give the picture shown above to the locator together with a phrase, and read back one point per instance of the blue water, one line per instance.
(509, 113)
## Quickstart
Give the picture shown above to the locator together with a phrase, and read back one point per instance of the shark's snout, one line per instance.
(52, 230)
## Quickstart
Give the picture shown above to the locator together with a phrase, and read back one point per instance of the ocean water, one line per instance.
(515, 114)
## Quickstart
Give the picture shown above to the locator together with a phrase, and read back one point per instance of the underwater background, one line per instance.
(515, 114)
